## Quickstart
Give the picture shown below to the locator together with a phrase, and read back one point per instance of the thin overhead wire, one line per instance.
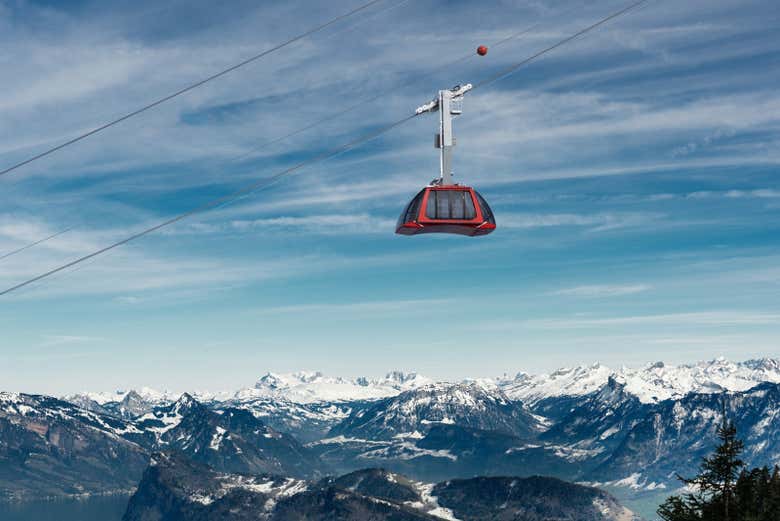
(512, 68)
(364, 102)
(267, 181)
(358, 23)
(20, 250)
(190, 87)
(258, 185)
(408, 81)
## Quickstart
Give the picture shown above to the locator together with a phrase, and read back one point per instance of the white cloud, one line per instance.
(597, 222)
(412, 306)
(705, 318)
(324, 224)
(595, 291)
(60, 340)
(562, 125)
(133, 273)
(760, 193)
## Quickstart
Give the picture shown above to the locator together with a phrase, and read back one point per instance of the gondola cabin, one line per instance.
(444, 206)
(447, 209)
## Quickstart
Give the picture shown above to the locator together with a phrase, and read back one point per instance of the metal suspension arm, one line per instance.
(448, 103)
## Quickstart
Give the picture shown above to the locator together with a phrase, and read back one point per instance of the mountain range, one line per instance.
(651, 383)
(627, 430)
(52, 448)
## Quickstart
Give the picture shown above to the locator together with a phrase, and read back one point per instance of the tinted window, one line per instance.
(430, 210)
(487, 213)
(412, 209)
(450, 204)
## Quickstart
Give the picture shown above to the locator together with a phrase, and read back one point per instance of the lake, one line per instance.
(107, 508)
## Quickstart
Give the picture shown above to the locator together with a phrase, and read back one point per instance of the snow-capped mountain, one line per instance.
(309, 387)
(576, 381)
(227, 439)
(626, 428)
(50, 447)
(472, 404)
(658, 381)
(307, 421)
(599, 418)
(102, 398)
(650, 384)
(673, 436)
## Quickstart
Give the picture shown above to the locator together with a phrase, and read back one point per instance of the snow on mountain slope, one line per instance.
(576, 381)
(651, 383)
(102, 398)
(49, 447)
(174, 487)
(307, 421)
(480, 405)
(656, 382)
(309, 387)
(673, 436)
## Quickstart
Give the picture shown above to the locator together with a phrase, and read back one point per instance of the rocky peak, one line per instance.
(185, 405)
(471, 404)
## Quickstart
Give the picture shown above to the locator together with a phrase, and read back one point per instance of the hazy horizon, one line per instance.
(232, 386)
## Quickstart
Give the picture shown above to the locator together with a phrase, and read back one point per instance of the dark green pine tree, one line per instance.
(746, 492)
(754, 495)
(762, 482)
(718, 474)
(680, 508)
(715, 486)
(772, 512)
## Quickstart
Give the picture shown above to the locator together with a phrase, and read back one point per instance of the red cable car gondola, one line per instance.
(447, 209)
(442, 206)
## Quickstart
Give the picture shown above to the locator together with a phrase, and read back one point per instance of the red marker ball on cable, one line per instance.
(482, 50)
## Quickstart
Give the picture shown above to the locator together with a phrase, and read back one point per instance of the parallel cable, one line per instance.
(365, 101)
(267, 181)
(350, 108)
(371, 16)
(190, 87)
(260, 184)
(20, 250)
(375, 97)
(511, 69)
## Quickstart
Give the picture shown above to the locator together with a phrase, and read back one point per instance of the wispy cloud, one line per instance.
(62, 340)
(596, 291)
(412, 306)
(596, 222)
(599, 158)
(325, 224)
(706, 318)
(761, 193)
(587, 324)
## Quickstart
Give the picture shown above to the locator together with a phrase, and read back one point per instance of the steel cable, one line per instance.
(19, 250)
(267, 181)
(189, 87)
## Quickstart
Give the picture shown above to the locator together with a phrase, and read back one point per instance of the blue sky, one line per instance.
(633, 173)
